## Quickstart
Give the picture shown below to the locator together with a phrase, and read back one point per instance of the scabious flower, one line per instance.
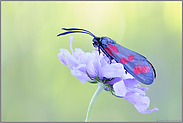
(94, 67)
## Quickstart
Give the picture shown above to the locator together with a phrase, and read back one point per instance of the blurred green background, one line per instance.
(35, 86)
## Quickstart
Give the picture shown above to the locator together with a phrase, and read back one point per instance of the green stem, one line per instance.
(97, 92)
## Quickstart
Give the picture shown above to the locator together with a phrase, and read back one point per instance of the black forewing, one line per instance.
(139, 60)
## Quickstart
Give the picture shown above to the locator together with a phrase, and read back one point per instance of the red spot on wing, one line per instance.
(145, 69)
(130, 58)
(109, 51)
(141, 69)
(113, 48)
(123, 60)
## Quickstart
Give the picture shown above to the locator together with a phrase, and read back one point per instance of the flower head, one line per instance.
(93, 67)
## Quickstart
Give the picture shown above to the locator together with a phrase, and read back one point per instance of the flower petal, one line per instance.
(128, 76)
(140, 102)
(119, 88)
(132, 86)
(71, 40)
(80, 74)
(112, 70)
(63, 56)
(131, 82)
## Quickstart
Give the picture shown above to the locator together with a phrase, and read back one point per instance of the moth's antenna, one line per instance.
(71, 30)
(79, 29)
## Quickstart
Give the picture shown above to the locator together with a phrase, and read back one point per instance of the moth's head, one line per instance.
(96, 41)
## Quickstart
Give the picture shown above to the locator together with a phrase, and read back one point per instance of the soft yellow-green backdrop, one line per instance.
(35, 86)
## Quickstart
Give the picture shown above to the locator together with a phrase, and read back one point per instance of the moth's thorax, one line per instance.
(103, 41)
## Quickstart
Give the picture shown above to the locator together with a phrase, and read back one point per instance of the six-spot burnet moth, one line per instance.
(137, 65)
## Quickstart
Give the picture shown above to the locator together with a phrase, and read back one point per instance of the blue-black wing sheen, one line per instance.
(136, 64)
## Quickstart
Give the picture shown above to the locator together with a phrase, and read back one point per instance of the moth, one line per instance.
(134, 63)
